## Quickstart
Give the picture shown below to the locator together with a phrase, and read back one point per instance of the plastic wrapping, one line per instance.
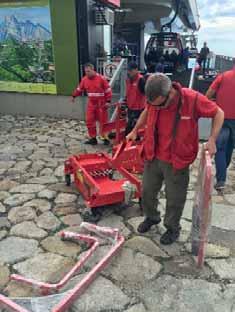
(104, 232)
(202, 208)
(130, 191)
(48, 288)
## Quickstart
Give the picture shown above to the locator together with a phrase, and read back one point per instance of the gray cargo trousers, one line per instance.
(176, 182)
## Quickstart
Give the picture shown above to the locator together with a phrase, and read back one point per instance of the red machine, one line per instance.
(102, 180)
(130, 156)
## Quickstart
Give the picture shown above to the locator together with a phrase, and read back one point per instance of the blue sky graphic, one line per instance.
(218, 25)
(40, 15)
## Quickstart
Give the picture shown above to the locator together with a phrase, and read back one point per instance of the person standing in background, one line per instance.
(99, 96)
(135, 95)
(223, 89)
(204, 53)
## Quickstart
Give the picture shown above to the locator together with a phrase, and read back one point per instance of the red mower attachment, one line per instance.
(129, 155)
(102, 180)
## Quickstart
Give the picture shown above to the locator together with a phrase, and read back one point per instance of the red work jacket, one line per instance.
(184, 139)
(97, 89)
(134, 98)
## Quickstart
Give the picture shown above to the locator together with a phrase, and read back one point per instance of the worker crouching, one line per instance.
(99, 96)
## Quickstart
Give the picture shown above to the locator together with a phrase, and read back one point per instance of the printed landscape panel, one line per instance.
(26, 53)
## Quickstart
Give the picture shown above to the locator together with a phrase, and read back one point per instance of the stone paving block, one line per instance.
(115, 221)
(137, 308)
(48, 221)
(46, 267)
(169, 294)
(64, 198)
(20, 214)
(225, 269)
(72, 219)
(54, 244)
(28, 229)
(223, 216)
(18, 199)
(40, 205)
(15, 249)
(128, 266)
(102, 295)
(145, 246)
(4, 275)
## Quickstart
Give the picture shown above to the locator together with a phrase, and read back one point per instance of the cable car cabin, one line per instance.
(164, 48)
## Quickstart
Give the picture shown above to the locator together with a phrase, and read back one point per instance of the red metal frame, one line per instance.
(47, 288)
(129, 156)
(93, 178)
(79, 289)
(205, 218)
(117, 241)
(202, 209)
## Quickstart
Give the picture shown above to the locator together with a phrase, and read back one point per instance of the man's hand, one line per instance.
(107, 104)
(211, 146)
(132, 136)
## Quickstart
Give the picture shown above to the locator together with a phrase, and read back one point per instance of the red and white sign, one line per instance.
(115, 3)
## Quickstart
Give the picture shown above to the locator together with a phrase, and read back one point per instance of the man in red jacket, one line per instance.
(223, 88)
(99, 95)
(135, 97)
(171, 145)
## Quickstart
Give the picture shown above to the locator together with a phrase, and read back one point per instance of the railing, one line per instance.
(118, 76)
(223, 63)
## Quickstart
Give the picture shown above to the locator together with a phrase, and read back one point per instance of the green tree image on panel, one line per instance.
(26, 54)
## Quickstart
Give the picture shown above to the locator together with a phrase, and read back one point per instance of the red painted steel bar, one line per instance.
(202, 207)
(9, 305)
(205, 218)
(79, 289)
(47, 288)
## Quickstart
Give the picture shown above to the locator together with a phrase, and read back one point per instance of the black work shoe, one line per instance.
(146, 225)
(220, 186)
(169, 237)
(112, 135)
(106, 142)
(91, 141)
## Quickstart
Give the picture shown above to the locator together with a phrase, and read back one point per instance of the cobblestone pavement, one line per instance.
(35, 205)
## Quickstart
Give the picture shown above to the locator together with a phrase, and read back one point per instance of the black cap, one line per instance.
(132, 65)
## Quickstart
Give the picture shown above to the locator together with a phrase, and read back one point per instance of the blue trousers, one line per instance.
(225, 144)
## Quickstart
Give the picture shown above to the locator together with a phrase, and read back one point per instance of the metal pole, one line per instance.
(117, 73)
(192, 77)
